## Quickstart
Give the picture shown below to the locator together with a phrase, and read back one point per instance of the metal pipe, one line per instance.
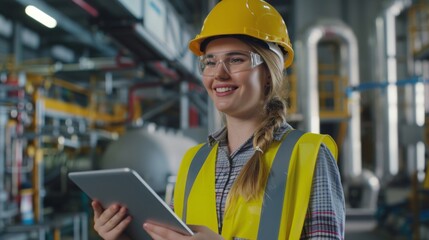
(308, 91)
(160, 108)
(387, 141)
(309, 87)
(200, 103)
(131, 97)
(3, 193)
(184, 105)
(415, 114)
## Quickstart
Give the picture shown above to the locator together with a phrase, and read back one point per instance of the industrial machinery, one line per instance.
(49, 127)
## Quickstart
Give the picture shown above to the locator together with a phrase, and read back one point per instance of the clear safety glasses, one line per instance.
(232, 62)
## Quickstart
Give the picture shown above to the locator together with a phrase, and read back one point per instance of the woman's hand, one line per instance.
(111, 222)
(161, 233)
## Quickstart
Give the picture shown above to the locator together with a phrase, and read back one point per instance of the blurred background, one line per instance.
(101, 84)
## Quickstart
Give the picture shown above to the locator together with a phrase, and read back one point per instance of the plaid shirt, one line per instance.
(326, 211)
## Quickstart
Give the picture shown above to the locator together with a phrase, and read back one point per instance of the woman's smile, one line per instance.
(223, 89)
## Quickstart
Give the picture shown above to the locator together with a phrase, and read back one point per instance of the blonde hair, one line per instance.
(251, 181)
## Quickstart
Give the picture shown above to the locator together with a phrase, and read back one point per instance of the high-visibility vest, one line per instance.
(279, 213)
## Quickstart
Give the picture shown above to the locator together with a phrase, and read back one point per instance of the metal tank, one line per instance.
(154, 154)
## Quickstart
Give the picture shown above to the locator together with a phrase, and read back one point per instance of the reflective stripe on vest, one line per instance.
(269, 223)
(194, 169)
(274, 192)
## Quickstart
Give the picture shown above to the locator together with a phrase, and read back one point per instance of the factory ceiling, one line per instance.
(100, 28)
(79, 21)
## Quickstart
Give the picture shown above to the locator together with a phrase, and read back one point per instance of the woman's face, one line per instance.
(239, 94)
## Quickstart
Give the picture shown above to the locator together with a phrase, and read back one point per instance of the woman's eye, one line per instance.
(210, 63)
(236, 60)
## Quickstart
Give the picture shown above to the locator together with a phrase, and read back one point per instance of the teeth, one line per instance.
(224, 89)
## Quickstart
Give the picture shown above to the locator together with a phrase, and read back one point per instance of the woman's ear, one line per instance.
(267, 88)
(268, 76)
(268, 81)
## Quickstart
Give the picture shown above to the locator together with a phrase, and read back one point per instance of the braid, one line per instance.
(275, 117)
(251, 181)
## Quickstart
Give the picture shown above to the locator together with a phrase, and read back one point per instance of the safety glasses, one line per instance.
(232, 62)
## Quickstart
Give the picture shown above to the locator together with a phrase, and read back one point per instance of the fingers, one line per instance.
(120, 227)
(111, 222)
(203, 232)
(96, 206)
(197, 228)
(111, 217)
(161, 233)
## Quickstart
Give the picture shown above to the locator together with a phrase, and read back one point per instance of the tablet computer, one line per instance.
(126, 187)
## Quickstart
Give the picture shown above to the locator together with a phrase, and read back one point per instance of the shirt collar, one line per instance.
(217, 136)
(221, 134)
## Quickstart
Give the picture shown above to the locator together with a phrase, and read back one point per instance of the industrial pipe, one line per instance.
(308, 86)
(387, 142)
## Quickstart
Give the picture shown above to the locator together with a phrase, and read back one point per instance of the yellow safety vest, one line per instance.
(258, 218)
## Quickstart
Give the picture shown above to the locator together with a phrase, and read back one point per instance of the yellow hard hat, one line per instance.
(253, 18)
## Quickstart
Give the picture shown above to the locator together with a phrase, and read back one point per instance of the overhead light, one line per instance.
(40, 16)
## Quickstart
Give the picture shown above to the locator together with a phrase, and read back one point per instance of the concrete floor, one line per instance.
(364, 229)
(362, 225)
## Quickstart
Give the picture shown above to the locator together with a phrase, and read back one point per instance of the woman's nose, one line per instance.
(221, 71)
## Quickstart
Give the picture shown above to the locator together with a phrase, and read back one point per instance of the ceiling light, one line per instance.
(40, 16)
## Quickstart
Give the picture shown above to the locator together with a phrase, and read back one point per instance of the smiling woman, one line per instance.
(256, 177)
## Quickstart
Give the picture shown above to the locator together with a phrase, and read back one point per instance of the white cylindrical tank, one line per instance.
(154, 154)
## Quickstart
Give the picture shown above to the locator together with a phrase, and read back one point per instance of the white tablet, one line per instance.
(124, 186)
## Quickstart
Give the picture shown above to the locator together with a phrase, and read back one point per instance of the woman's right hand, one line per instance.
(110, 223)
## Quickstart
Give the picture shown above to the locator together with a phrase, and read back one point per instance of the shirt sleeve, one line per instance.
(325, 217)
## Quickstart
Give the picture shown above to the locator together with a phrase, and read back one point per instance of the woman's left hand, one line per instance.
(161, 233)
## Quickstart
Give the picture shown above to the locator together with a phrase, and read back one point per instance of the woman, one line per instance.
(257, 178)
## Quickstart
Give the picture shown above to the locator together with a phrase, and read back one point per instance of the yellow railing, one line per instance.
(418, 28)
(332, 97)
(89, 110)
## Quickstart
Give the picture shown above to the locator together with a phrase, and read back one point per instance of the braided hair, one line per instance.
(251, 181)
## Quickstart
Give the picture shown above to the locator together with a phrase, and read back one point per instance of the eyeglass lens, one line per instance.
(232, 62)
